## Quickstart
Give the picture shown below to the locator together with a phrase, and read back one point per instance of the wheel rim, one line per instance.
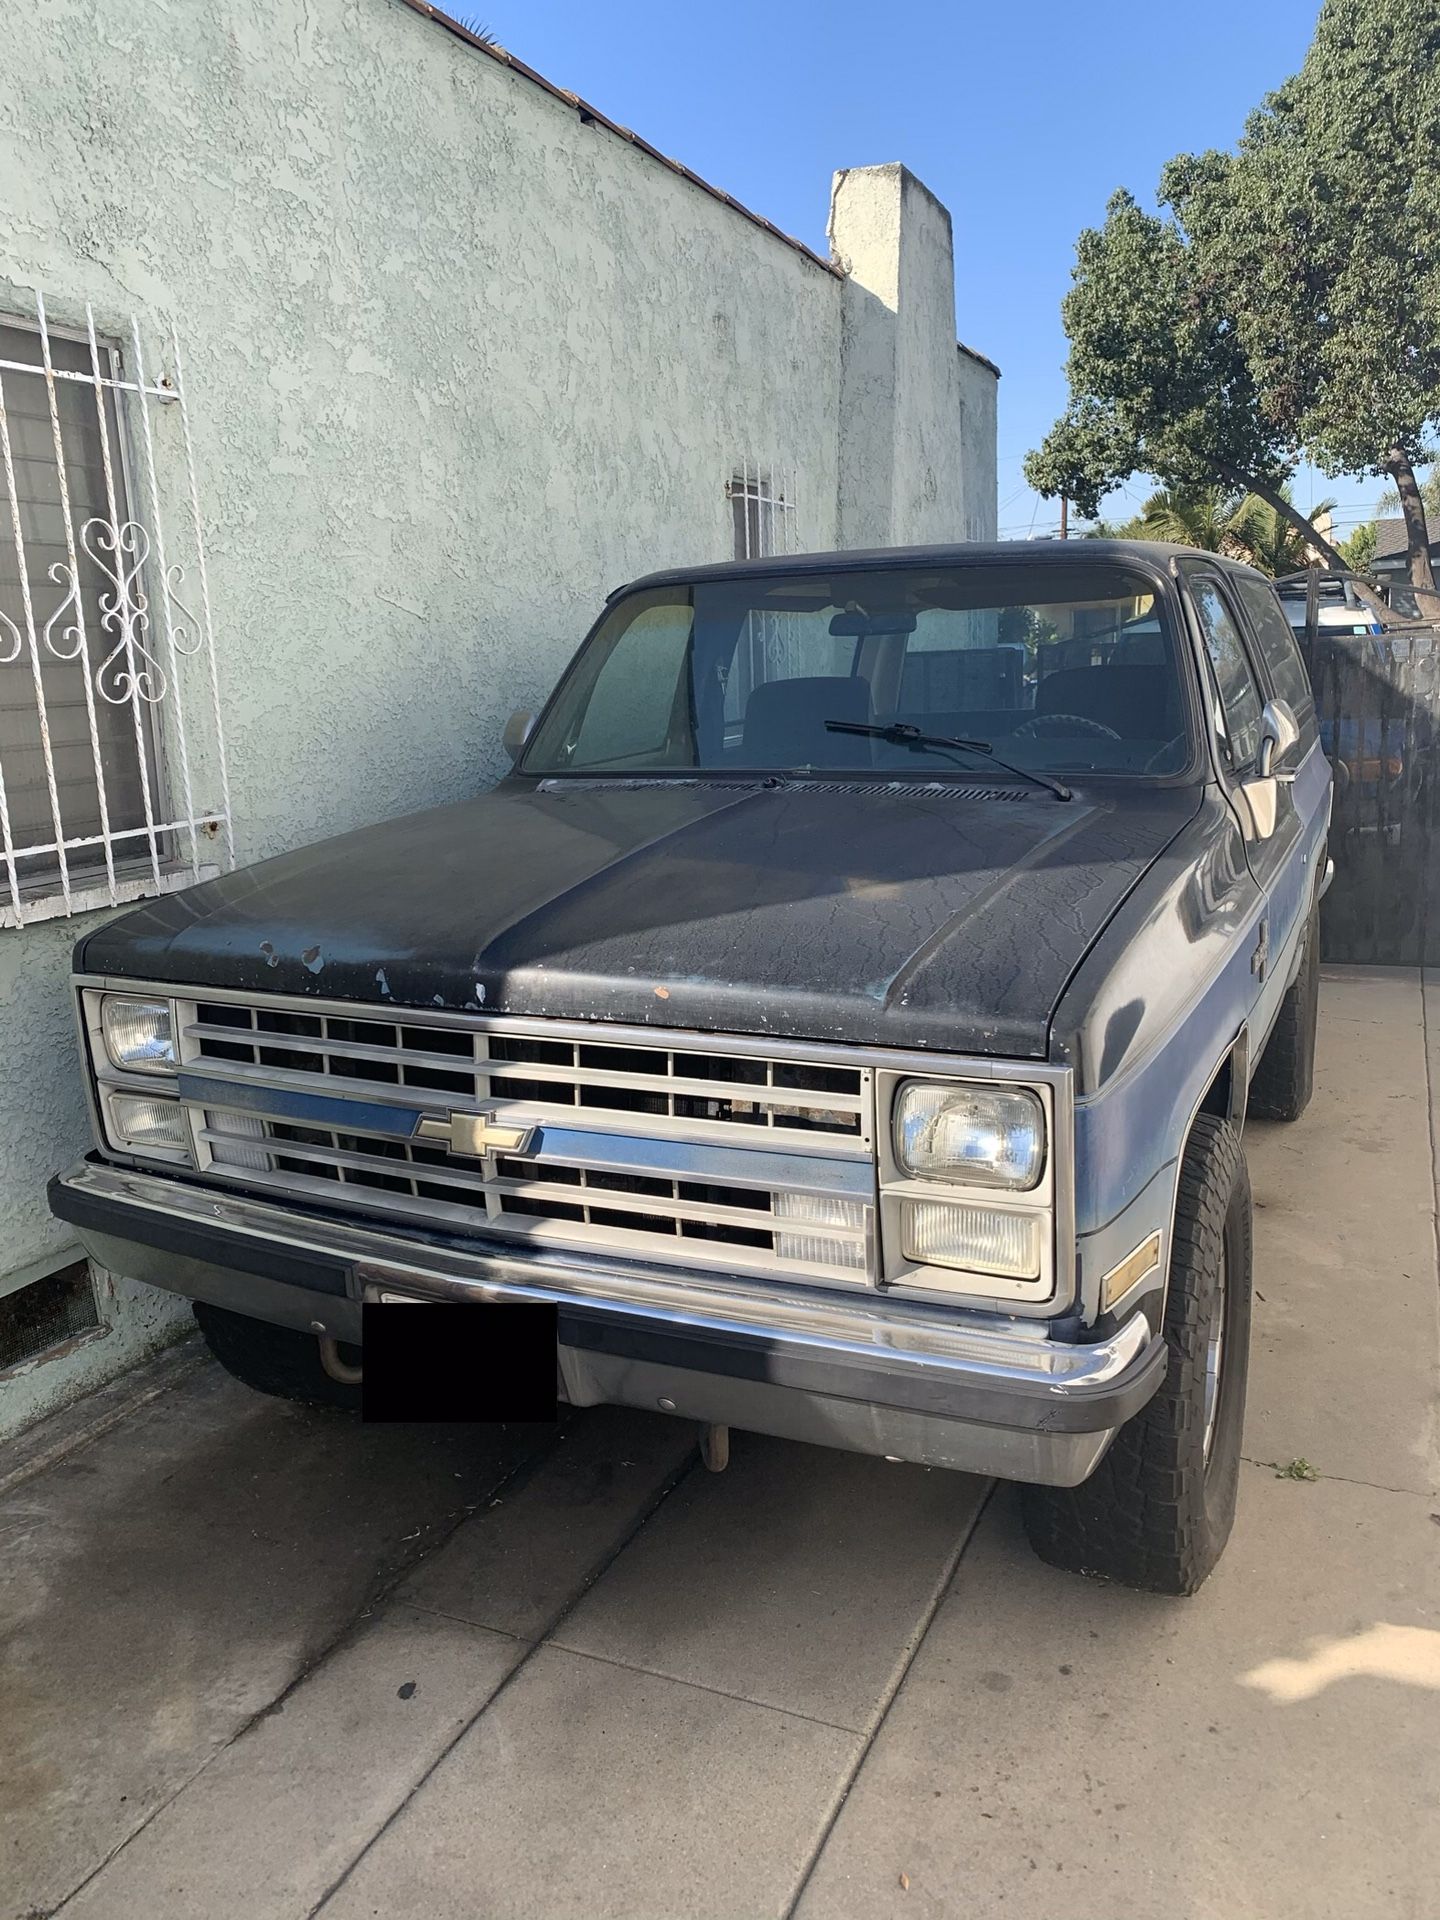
(1215, 1353)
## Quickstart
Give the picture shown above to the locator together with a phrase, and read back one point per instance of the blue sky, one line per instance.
(1023, 118)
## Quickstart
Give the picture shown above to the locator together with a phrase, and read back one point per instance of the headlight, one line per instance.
(147, 1126)
(977, 1136)
(139, 1034)
(945, 1233)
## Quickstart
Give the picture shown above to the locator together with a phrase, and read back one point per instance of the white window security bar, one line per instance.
(766, 522)
(763, 511)
(113, 777)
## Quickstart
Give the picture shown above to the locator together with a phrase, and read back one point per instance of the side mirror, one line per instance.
(518, 729)
(1279, 732)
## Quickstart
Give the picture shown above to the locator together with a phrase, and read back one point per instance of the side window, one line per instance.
(1238, 718)
(1276, 641)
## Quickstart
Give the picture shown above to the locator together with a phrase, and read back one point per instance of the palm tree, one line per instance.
(1242, 527)
(1189, 519)
(477, 30)
(1203, 518)
(1266, 540)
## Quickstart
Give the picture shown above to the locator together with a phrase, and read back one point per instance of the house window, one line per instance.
(764, 522)
(762, 512)
(103, 643)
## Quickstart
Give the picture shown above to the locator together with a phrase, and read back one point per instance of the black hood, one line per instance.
(939, 916)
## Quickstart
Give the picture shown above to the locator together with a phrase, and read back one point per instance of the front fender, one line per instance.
(1152, 1015)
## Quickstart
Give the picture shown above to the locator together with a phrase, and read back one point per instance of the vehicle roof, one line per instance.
(1151, 555)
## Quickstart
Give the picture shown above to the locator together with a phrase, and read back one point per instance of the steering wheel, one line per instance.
(1047, 726)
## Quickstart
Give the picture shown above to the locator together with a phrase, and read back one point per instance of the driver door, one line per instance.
(1261, 800)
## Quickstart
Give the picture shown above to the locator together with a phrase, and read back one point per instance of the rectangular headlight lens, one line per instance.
(139, 1034)
(978, 1136)
(147, 1126)
(944, 1233)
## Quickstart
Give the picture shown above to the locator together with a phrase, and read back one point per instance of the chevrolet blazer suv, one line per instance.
(845, 1013)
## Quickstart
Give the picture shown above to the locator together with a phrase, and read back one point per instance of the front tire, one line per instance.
(275, 1360)
(1157, 1511)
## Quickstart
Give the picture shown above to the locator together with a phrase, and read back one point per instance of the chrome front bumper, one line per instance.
(908, 1380)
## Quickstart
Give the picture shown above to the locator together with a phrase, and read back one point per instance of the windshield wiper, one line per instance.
(899, 733)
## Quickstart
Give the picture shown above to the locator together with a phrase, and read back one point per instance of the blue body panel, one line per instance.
(1196, 962)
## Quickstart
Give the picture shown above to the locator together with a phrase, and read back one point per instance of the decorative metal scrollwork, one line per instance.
(187, 636)
(129, 670)
(110, 611)
(70, 642)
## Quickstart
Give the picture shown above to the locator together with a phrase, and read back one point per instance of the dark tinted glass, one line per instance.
(1276, 641)
(1238, 720)
(1067, 669)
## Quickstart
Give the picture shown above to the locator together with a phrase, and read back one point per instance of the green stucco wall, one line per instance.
(458, 363)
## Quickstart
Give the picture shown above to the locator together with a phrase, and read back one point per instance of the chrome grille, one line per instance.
(666, 1084)
(684, 1149)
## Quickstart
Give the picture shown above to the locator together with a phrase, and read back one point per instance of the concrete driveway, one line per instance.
(265, 1663)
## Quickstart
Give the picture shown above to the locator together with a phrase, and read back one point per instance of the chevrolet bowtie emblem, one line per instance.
(473, 1135)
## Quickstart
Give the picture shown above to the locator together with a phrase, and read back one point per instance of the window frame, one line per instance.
(763, 505)
(139, 834)
(1192, 571)
(87, 864)
(1161, 579)
(1306, 716)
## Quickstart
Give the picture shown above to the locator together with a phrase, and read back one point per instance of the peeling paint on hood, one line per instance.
(868, 914)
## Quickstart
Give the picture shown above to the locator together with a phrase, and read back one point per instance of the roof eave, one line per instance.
(592, 117)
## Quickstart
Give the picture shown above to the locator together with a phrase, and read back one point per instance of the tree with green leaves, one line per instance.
(1359, 547)
(1158, 381)
(1268, 540)
(1285, 301)
(1320, 235)
(1204, 518)
(1243, 527)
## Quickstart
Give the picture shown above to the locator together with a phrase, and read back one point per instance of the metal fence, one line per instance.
(113, 779)
(1378, 697)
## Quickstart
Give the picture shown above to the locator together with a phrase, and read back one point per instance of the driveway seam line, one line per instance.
(460, 1620)
(668, 1486)
(396, 1603)
(881, 1710)
(702, 1686)
(338, 1640)
(1348, 1480)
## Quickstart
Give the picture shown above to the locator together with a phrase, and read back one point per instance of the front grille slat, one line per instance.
(353, 1050)
(671, 1085)
(722, 1127)
(404, 1166)
(801, 1100)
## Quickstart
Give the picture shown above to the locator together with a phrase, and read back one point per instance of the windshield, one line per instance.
(1061, 669)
